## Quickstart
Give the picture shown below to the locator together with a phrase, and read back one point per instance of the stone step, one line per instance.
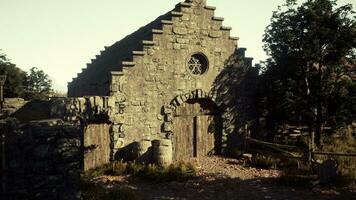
(226, 28)
(185, 4)
(210, 7)
(117, 73)
(218, 19)
(176, 14)
(169, 22)
(128, 64)
(234, 38)
(148, 42)
(138, 53)
(157, 31)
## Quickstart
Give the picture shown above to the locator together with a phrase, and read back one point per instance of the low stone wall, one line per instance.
(40, 160)
(11, 105)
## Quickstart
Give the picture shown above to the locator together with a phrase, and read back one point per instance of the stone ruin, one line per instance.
(181, 82)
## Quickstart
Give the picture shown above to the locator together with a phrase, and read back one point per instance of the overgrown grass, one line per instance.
(175, 172)
(263, 161)
(90, 191)
(346, 165)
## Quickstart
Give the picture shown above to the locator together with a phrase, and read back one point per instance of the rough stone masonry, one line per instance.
(182, 56)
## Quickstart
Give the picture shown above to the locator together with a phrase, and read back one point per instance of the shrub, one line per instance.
(346, 165)
(264, 162)
(175, 172)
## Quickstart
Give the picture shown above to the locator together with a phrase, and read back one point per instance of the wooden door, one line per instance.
(196, 131)
(96, 145)
(206, 135)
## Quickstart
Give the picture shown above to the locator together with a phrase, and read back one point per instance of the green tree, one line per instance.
(14, 82)
(37, 84)
(309, 78)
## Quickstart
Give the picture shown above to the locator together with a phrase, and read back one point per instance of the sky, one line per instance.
(61, 36)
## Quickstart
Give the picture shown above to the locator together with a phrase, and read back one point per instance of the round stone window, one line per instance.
(197, 64)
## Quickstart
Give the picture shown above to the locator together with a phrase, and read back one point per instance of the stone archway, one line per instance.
(193, 122)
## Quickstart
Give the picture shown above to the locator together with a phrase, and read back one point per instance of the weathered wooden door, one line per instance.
(196, 130)
(96, 145)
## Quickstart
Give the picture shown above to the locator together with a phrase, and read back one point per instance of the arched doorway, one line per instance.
(196, 129)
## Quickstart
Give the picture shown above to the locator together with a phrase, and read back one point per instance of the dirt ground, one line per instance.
(223, 178)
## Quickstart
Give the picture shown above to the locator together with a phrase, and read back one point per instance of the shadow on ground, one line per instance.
(217, 186)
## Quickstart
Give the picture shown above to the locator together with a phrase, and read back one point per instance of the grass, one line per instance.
(90, 191)
(346, 165)
(175, 172)
(263, 161)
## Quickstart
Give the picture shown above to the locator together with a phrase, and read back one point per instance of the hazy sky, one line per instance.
(61, 36)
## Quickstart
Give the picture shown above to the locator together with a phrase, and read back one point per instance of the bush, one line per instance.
(346, 165)
(264, 162)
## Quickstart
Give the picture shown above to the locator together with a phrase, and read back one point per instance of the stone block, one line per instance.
(167, 127)
(176, 46)
(180, 30)
(167, 110)
(182, 40)
(215, 34)
(119, 143)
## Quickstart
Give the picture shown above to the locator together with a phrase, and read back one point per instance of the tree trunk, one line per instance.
(319, 109)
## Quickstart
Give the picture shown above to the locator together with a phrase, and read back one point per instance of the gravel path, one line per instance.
(223, 178)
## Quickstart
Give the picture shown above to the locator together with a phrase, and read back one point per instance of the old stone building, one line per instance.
(164, 81)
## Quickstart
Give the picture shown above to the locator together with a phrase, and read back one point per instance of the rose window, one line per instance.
(197, 64)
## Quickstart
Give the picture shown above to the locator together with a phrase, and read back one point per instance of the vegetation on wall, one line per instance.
(310, 77)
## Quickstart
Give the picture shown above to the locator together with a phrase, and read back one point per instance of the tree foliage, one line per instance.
(14, 82)
(37, 84)
(309, 78)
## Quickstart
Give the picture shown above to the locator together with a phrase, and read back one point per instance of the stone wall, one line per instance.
(41, 160)
(145, 75)
(10, 106)
(151, 81)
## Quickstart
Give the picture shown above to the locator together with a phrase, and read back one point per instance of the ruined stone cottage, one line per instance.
(161, 82)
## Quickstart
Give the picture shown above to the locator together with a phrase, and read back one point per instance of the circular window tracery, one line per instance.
(197, 64)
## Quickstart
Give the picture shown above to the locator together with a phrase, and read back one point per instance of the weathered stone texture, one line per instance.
(147, 70)
(42, 160)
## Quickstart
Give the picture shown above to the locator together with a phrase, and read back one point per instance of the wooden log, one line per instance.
(282, 146)
(334, 154)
